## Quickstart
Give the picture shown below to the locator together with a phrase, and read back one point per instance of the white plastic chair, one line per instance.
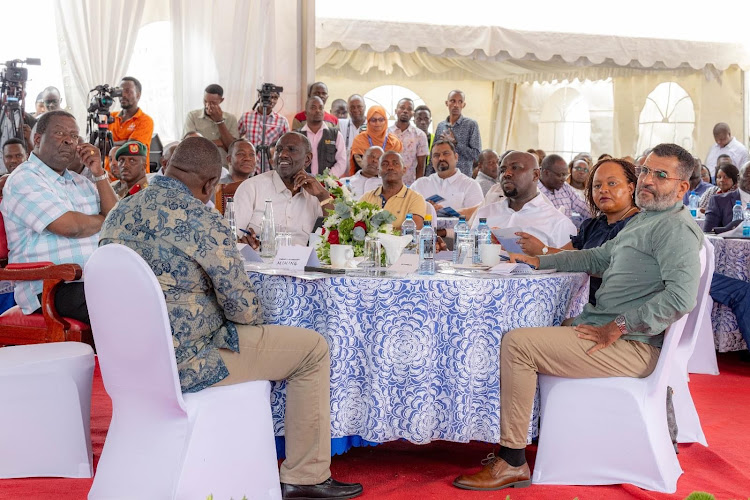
(430, 210)
(614, 430)
(45, 410)
(688, 424)
(163, 444)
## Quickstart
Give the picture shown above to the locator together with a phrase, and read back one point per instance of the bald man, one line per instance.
(524, 206)
(725, 144)
(215, 313)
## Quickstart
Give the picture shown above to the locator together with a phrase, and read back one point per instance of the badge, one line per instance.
(133, 148)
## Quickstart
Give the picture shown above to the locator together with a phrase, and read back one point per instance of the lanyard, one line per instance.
(369, 139)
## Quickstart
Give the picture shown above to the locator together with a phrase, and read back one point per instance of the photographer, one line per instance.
(251, 123)
(212, 122)
(131, 123)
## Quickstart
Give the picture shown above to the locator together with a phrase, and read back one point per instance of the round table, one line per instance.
(416, 358)
(732, 259)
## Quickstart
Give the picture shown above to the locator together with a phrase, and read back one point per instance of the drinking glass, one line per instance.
(372, 254)
(465, 247)
(283, 237)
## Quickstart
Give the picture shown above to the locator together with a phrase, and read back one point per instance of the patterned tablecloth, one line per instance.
(732, 257)
(416, 358)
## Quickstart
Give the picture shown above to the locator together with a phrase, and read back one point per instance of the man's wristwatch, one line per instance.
(102, 177)
(545, 249)
(620, 322)
(219, 122)
(326, 201)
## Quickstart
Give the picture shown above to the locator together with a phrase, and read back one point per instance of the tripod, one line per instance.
(11, 115)
(262, 150)
(99, 134)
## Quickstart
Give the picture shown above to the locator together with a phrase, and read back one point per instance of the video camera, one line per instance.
(266, 90)
(103, 99)
(13, 80)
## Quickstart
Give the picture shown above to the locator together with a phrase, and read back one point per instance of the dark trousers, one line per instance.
(70, 302)
(734, 294)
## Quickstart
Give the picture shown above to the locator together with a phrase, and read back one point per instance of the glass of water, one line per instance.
(372, 254)
(465, 247)
(283, 237)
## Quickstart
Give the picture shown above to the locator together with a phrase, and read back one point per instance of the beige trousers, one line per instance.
(299, 356)
(557, 351)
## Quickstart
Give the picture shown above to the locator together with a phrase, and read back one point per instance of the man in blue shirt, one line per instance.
(462, 132)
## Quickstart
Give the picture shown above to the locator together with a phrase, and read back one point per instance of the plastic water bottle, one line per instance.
(348, 185)
(229, 215)
(268, 232)
(737, 212)
(693, 201)
(462, 232)
(427, 247)
(746, 223)
(482, 234)
(409, 228)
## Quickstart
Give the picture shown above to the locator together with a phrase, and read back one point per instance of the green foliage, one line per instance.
(700, 495)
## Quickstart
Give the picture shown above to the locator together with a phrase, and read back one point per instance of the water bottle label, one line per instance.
(746, 231)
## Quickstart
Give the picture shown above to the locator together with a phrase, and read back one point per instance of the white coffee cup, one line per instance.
(341, 255)
(490, 254)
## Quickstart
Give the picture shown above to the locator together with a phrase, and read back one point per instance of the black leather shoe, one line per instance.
(330, 488)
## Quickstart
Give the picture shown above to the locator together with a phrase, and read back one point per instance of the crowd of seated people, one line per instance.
(60, 201)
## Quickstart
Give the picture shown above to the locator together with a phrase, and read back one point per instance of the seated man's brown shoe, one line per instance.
(495, 475)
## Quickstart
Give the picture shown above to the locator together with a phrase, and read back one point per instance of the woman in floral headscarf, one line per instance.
(375, 135)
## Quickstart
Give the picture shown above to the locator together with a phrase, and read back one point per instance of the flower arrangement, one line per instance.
(350, 221)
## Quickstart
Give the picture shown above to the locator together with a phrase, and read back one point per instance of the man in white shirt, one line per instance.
(298, 199)
(328, 148)
(554, 171)
(487, 175)
(413, 140)
(725, 144)
(368, 178)
(349, 127)
(524, 206)
(458, 191)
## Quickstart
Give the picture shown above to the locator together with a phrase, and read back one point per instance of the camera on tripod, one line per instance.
(103, 99)
(13, 80)
(267, 90)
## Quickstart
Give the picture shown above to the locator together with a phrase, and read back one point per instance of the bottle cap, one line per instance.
(483, 220)
(428, 218)
(738, 202)
(408, 216)
(461, 218)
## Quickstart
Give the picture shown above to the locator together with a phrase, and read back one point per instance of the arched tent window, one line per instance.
(152, 65)
(667, 116)
(565, 124)
(388, 97)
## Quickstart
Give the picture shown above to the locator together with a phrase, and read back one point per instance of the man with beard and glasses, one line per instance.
(131, 124)
(650, 274)
(523, 205)
(298, 199)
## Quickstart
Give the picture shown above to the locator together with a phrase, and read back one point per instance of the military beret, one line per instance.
(131, 148)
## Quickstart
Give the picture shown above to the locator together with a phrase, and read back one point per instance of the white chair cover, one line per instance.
(45, 410)
(161, 443)
(688, 424)
(614, 430)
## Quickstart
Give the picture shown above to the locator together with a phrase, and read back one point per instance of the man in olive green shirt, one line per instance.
(650, 273)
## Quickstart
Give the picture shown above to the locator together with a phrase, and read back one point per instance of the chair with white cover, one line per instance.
(688, 424)
(45, 410)
(612, 430)
(430, 210)
(163, 444)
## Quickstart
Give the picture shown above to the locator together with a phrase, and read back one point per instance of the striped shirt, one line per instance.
(566, 200)
(35, 196)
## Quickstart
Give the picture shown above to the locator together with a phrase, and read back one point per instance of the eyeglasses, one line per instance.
(377, 119)
(659, 175)
(580, 169)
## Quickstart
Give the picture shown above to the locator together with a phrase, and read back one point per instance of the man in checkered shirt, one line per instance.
(560, 193)
(251, 126)
(54, 215)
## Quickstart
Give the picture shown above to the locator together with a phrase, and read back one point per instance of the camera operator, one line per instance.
(251, 123)
(131, 123)
(212, 122)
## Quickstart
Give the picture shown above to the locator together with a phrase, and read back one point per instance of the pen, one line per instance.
(506, 258)
(246, 232)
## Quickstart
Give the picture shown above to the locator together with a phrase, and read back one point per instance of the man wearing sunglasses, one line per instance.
(650, 274)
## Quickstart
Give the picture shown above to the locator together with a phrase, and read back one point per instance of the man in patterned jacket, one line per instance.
(215, 314)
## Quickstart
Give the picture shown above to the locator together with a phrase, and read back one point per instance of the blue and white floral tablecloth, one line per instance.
(416, 358)
(732, 258)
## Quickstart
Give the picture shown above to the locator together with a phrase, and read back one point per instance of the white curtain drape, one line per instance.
(504, 107)
(232, 44)
(96, 42)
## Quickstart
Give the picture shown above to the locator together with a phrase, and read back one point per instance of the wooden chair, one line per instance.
(224, 191)
(19, 328)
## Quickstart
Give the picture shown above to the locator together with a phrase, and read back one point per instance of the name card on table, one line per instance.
(295, 258)
(407, 263)
(248, 254)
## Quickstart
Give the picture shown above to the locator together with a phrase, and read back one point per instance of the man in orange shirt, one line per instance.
(131, 123)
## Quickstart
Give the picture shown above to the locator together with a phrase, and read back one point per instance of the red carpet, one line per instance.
(405, 471)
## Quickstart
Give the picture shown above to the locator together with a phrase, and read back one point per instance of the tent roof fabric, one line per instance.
(494, 43)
